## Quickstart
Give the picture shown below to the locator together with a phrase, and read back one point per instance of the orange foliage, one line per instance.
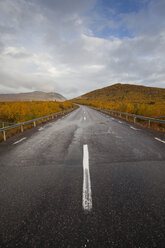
(16, 112)
(139, 100)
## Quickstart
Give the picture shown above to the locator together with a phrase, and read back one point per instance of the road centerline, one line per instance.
(87, 193)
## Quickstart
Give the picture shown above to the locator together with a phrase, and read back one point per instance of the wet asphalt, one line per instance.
(41, 181)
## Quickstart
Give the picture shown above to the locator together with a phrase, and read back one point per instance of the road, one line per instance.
(85, 180)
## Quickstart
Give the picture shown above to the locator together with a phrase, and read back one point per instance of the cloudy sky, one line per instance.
(75, 46)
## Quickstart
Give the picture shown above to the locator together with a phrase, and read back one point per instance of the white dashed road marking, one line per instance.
(19, 141)
(85, 118)
(134, 128)
(160, 140)
(40, 129)
(87, 193)
(109, 130)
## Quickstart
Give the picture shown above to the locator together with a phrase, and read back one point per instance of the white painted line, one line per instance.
(120, 121)
(109, 130)
(160, 140)
(87, 193)
(85, 118)
(134, 128)
(19, 141)
(112, 118)
(118, 137)
(40, 129)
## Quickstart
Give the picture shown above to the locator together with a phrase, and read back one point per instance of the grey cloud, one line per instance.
(67, 6)
(18, 55)
(6, 30)
(48, 45)
(1, 46)
(18, 15)
(147, 21)
(23, 82)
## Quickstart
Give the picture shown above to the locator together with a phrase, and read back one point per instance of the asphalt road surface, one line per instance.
(85, 180)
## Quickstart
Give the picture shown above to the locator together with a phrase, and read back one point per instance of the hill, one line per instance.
(140, 100)
(32, 96)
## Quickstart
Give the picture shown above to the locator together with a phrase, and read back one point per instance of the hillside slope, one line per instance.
(32, 96)
(140, 100)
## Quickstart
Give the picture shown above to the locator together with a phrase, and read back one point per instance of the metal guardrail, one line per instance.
(22, 124)
(11, 123)
(160, 117)
(3, 123)
(149, 119)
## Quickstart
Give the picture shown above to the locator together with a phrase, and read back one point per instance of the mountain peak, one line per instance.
(32, 96)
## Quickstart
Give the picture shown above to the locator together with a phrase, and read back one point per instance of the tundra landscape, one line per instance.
(82, 123)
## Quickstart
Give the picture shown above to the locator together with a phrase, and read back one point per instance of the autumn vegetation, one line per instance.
(138, 100)
(133, 99)
(17, 112)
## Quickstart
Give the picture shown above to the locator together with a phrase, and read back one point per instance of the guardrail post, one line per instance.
(149, 123)
(134, 119)
(22, 128)
(21, 125)
(4, 135)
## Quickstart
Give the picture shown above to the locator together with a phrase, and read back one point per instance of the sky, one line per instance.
(74, 46)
